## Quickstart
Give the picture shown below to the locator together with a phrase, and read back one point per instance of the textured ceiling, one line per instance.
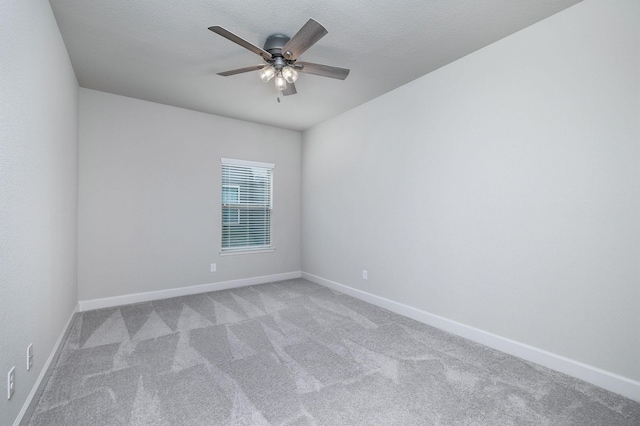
(162, 51)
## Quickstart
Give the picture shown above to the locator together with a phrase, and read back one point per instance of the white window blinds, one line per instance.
(246, 205)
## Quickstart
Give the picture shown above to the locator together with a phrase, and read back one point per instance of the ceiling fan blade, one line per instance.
(240, 70)
(323, 70)
(240, 41)
(290, 89)
(306, 37)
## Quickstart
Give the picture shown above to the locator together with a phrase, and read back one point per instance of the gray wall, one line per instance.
(501, 191)
(149, 191)
(38, 184)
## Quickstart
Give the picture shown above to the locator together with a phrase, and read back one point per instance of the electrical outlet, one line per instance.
(365, 274)
(213, 267)
(11, 382)
(29, 356)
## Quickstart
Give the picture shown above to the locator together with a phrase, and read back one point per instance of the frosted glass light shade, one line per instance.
(290, 74)
(281, 83)
(266, 73)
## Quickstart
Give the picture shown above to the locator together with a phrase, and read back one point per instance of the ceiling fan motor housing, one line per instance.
(275, 43)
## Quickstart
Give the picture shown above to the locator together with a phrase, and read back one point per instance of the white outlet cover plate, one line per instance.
(29, 356)
(11, 382)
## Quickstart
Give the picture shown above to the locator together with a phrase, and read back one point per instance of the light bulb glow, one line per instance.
(266, 73)
(290, 74)
(281, 83)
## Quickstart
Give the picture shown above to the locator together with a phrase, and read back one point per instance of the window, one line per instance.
(246, 205)
(230, 196)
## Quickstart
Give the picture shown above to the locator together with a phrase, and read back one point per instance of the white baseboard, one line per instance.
(127, 299)
(45, 369)
(610, 381)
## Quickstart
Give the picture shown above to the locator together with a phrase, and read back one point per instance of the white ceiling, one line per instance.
(162, 51)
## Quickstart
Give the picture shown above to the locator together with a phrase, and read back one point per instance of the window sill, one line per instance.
(246, 251)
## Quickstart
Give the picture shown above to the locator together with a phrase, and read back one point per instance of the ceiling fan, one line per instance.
(281, 55)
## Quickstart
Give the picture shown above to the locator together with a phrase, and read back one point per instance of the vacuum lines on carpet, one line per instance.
(296, 353)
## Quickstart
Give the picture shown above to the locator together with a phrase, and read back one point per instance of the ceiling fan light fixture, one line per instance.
(280, 53)
(290, 74)
(266, 73)
(281, 83)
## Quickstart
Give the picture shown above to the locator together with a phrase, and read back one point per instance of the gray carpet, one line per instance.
(295, 353)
